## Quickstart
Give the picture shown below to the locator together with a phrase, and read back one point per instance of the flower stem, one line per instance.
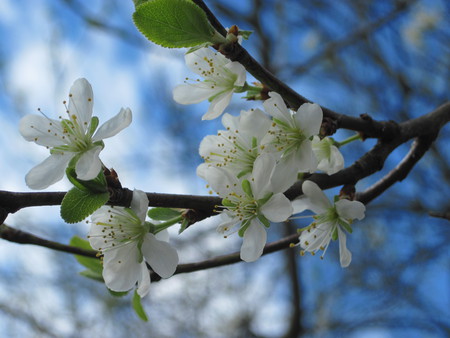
(167, 224)
(349, 140)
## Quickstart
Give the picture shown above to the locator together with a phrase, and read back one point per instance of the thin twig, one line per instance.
(22, 237)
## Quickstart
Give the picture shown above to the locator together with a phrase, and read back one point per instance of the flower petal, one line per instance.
(317, 238)
(89, 165)
(121, 267)
(113, 125)
(143, 281)
(41, 129)
(350, 210)
(309, 118)
(51, 170)
(313, 199)
(285, 174)
(255, 238)
(139, 204)
(262, 171)
(200, 61)
(81, 101)
(316, 195)
(239, 71)
(192, 93)
(160, 255)
(306, 161)
(276, 107)
(218, 105)
(278, 208)
(344, 254)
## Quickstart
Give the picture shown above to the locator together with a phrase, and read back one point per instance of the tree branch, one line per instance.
(231, 258)
(22, 237)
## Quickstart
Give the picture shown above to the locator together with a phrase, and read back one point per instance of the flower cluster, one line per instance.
(125, 240)
(259, 155)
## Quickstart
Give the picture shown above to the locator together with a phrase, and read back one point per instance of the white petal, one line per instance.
(121, 267)
(218, 105)
(143, 281)
(96, 232)
(81, 101)
(317, 199)
(222, 181)
(199, 61)
(192, 93)
(350, 209)
(160, 255)
(231, 122)
(239, 70)
(278, 208)
(276, 107)
(114, 125)
(285, 174)
(306, 160)
(309, 118)
(139, 204)
(344, 254)
(163, 235)
(254, 123)
(89, 165)
(227, 225)
(332, 164)
(317, 238)
(255, 238)
(303, 203)
(51, 170)
(40, 129)
(201, 169)
(262, 171)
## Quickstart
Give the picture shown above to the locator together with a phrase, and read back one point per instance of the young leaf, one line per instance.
(118, 293)
(138, 308)
(93, 264)
(163, 214)
(78, 204)
(92, 275)
(174, 23)
(183, 226)
(97, 185)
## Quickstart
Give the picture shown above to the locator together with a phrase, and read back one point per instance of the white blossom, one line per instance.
(74, 137)
(250, 204)
(292, 132)
(331, 221)
(222, 78)
(237, 147)
(328, 155)
(122, 236)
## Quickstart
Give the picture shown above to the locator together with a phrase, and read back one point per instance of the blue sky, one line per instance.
(44, 49)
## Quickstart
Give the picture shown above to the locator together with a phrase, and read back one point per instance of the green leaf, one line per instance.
(195, 48)
(138, 308)
(78, 204)
(97, 185)
(245, 34)
(174, 23)
(118, 293)
(183, 226)
(139, 2)
(163, 214)
(93, 264)
(92, 275)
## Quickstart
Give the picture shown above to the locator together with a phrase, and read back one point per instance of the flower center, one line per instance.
(285, 137)
(120, 227)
